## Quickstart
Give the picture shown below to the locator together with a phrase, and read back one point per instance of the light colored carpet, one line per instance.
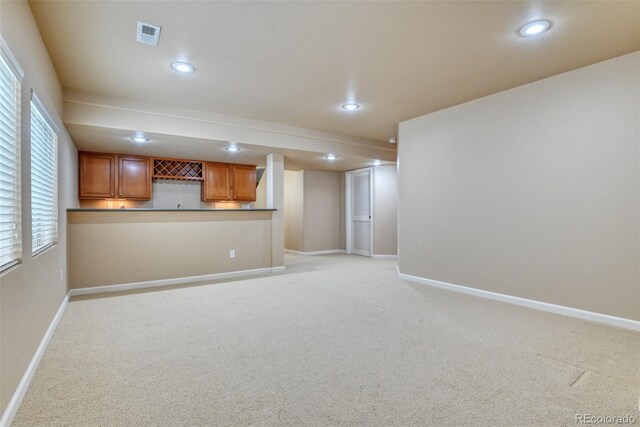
(338, 340)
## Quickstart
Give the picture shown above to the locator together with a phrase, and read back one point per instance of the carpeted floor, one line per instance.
(337, 340)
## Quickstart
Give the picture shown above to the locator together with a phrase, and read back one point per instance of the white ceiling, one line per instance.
(296, 62)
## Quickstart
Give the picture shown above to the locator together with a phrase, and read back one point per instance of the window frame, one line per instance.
(17, 73)
(37, 105)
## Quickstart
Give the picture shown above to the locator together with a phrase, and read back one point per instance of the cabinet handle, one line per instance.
(112, 193)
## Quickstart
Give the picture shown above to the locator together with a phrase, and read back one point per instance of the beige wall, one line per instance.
(31, 293)
(109, 248)
(531, 192)
(321, 211)
(293, 210)
(385, 210)
(312, 211)
(261, 193)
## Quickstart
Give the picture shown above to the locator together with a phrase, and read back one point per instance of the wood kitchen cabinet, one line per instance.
(243, 182)
(216, 186)
(108, 176)
(134, 178)
(120, 176)
(97, 176)
(225, 182)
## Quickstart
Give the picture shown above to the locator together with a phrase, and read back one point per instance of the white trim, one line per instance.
(11, 60)
(327, 252)
(169, 282)
(606, 319)
(21, 390)
(278, 269)
(384, 256)
(43, 111)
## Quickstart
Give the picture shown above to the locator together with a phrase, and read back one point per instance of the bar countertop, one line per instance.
(165, 210)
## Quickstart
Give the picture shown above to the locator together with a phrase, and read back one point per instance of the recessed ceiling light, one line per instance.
(534, 28)
(139, 137)
(232, 148)
(330, 156)
(376, 162)
(182, 67)
(350, 106)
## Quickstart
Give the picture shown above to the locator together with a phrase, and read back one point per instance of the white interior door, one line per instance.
(359, 233)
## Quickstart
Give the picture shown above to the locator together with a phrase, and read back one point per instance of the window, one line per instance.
(10, 84)
(44, 178)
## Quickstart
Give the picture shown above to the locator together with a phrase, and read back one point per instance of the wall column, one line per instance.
(275, 200)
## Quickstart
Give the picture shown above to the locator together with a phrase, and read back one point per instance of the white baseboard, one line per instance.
(384, 256)
(278, 269)
(328, 252)
(537, 305)
(14, 403)
(169, 282)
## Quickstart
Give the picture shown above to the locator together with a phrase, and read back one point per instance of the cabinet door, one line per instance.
(244, 182)
(97, 176)
(134, 178)
(217, 183)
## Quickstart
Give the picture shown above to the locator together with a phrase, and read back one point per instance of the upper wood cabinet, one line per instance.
(243, 182)
(216, 186)
(225, 182)
(134, 178)
(100, 175)
(110, 176)
(97, 176)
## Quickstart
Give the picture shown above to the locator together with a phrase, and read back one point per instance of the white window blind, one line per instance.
(10, 237)
(44, 178)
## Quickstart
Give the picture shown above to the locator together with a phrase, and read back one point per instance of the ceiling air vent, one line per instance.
(148, 34)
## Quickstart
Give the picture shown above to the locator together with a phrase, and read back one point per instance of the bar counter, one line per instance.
(165, 210)
(108, 247)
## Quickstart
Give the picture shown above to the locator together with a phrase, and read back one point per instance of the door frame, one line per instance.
(348, 181)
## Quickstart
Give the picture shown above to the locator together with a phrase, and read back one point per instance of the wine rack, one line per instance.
(177, 169)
